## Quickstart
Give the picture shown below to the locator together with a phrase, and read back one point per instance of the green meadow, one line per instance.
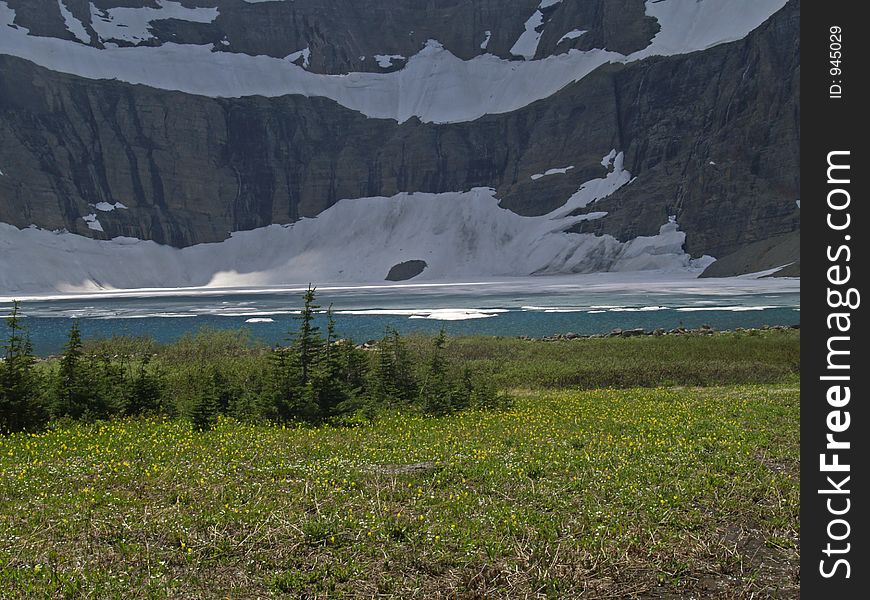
(650, 467)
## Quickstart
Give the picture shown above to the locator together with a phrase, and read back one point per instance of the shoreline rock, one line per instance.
(658, 332)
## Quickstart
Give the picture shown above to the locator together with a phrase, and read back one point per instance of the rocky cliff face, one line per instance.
(711, 136)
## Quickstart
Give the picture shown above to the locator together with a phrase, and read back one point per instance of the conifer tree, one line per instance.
(329, 378)
(462, 391)
(109, 386)
(308, 343)
(207, 406)
(280, 385)
(144, 390)
(20, 406)
(296, 375)
(394, 381)
(71, 389)
(355, 365)
(435, 393)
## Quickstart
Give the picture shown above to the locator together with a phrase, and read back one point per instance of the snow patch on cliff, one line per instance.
(304, 54)
(554, 171)
(571, 35)
(133, 24)
(434, 85)
(460, 235)
(108, 207)
(692, 25)
(73, 25)
(487, 36)
(92, 222)
(527, 44)
(385, 61)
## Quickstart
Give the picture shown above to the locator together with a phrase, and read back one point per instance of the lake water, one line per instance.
(534, 307)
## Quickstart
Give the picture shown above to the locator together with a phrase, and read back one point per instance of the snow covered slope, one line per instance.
(458, 235)
(222, 142)
(434, 85)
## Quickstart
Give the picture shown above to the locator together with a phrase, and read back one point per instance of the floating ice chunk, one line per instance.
(724, 308)
(454, 314)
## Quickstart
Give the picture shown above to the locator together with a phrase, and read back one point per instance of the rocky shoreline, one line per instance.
(626, 333)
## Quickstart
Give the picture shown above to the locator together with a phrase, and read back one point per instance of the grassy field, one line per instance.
(752, 356)
(589, 486)
(646, 493)
(757, 356)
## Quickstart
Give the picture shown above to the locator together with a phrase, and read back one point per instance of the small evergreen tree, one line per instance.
(222, 390)
(330, 381)
(394, 382)
(308, 343)
(144, 392)
(279, 385)
(327, 384)
(435, 393)
(486, 396)
(20, 406)
(206, 409)
(355, 365)
(109, 384)
(76, 393)
(462, 391)
(383, 388)
(288, 398)
(302, 388)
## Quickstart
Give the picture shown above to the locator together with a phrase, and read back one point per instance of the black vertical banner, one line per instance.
(834, 373)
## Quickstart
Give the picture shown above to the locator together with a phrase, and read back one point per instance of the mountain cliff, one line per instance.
(185, 123)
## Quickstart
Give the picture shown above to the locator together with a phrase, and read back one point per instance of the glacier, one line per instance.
(460, 235)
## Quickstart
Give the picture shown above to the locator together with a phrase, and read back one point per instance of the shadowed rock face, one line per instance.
(711, 137)
(345, 35)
